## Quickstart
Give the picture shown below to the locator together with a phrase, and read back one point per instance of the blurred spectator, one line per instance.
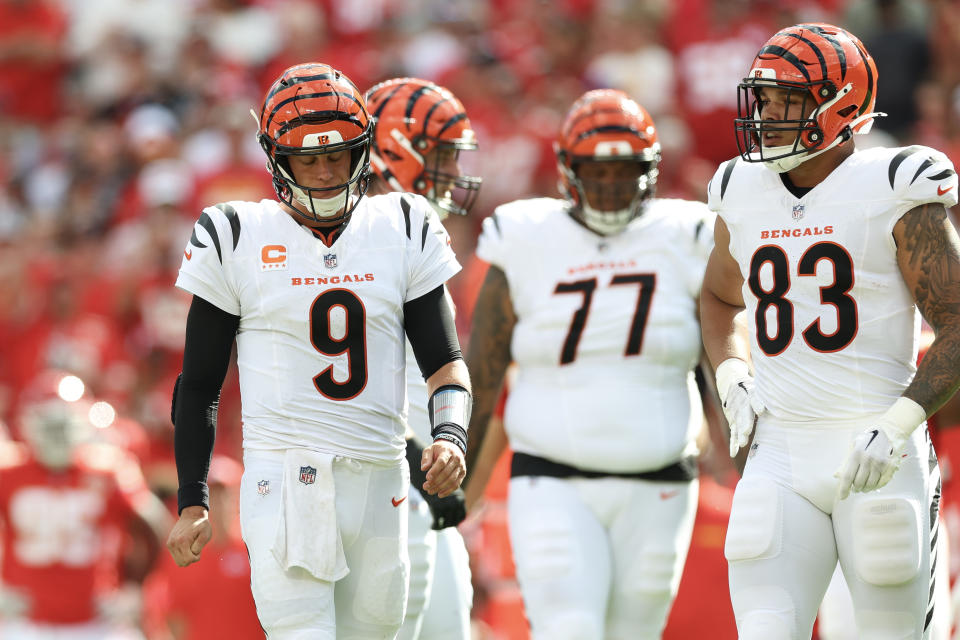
(32, 64)
(899, 48)
(80, 528)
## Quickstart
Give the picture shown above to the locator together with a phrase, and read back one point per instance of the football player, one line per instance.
(594, 296)
(823, 256)
(320, 288)
(419, 131)
(67, 505)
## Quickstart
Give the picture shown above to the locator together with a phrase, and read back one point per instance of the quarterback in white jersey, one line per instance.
(594, 297)
(320, 288)
(420, 129)
(823, 256)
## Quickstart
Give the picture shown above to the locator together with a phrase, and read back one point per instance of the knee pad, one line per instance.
(573, 625)
(658, 572)
(755, 521)
(886, 540)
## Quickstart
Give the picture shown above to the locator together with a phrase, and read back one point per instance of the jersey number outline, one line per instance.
(647, 283)
(836, 294)
(353, 342)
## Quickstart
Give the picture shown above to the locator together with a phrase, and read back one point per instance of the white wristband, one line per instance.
(901, 420)
(729, 370)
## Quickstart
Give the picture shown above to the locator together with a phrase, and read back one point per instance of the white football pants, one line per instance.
(787, 531)
(367, 604)
(441, 593)
(600, 557)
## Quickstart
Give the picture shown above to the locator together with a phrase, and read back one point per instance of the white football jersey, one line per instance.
(606, 336)
(321, 340)
(833, 327)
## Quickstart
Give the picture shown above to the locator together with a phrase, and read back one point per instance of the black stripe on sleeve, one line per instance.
(405, 206)
(233, 219)
(726, 176)
(897, 161)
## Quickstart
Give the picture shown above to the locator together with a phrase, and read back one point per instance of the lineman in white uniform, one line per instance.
(826, 253)
(419, 130)
(320, 288)
(595, 299)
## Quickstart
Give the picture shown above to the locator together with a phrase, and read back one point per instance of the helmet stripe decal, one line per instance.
(412, 100)
(386, 100)
(294, 123)
(786, 55)
(286, 83)
(869, 99)
(452, 121)
(430, 112)
(611, 128)
(829, 37)
(816, 50)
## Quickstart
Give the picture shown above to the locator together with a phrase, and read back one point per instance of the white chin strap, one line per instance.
(788, 163)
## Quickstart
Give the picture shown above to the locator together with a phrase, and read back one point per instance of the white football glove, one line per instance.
(741, 405)
(877, 452)
(13, 603)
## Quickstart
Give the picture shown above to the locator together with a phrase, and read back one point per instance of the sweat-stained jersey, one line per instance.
(833, 326)
(320, 348)
(606, 336)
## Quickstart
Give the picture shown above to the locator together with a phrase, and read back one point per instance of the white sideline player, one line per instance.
(594, 297)
(823, 255)
(419, 130)
(320, 288)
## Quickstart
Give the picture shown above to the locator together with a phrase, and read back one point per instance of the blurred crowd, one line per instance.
(121, 119)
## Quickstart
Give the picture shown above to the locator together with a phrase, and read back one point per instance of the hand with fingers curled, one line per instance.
(189, 535)
(739, 399)
(445, 467)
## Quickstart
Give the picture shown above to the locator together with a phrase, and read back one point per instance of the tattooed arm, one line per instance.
(488, 355)
(928, 251)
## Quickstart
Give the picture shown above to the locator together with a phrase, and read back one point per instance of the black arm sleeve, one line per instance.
(206, 356)
(432, 331)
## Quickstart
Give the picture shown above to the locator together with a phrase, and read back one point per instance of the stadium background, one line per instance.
(121, 119)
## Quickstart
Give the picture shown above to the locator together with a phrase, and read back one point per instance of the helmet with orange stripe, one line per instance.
(826, 84)
(314, 109)
(608, 159)
(419, 130)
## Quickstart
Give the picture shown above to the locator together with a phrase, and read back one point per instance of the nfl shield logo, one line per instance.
(308, 475)
(797, 211)
(263, 487)
(330, 260)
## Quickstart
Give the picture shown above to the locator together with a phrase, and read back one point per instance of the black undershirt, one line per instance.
(798, 192)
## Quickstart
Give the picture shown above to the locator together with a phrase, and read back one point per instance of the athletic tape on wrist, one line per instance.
(902, 419)
(449, 410)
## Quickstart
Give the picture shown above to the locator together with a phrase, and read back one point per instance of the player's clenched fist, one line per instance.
(189, 535)
(445, 468)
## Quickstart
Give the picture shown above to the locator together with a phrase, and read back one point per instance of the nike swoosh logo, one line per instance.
(875, 434)
(941, 191)
(188, 253)
(396, 502)
(666, 495)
